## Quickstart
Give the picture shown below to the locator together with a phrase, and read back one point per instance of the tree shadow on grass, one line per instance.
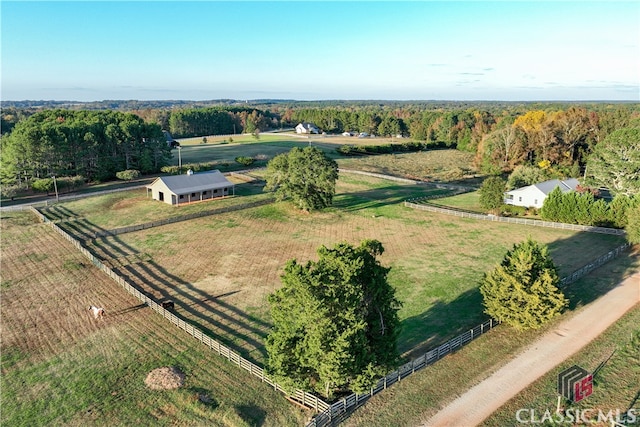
(251, 414)
(440, 323)
(444, 321)
(383, 196)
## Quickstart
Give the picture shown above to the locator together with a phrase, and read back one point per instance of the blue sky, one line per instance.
(88, 51)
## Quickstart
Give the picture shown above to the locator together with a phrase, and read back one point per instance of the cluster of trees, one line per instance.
(218, 121)
(583, 208)
(92, 144)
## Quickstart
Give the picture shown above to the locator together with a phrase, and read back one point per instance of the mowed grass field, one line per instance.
(62, 367)
(220, 269)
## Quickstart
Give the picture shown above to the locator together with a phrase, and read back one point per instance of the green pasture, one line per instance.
(436, 261)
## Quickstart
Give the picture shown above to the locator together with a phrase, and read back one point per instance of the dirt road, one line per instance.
(550, 350)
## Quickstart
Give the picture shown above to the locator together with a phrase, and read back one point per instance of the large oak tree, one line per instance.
(304, 175)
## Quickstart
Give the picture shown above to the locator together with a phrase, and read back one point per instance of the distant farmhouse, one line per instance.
(192, 187)
(172, 143)
(533, 196)
(307, 128)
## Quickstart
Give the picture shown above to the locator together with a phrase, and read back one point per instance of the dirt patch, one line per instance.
(165, 378)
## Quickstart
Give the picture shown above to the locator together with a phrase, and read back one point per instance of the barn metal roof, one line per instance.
(191, 183)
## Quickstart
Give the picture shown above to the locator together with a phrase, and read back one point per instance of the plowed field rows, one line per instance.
(60, 366)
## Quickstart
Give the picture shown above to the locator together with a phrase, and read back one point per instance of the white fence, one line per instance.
(521, 221)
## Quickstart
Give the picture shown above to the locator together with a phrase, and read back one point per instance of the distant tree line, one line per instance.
(555, 138)
(92, 144)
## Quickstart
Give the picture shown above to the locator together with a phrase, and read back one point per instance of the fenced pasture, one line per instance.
(220, 269)
(418, 397)
(60, 366)
(433, 165)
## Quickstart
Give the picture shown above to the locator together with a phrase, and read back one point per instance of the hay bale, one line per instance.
(165, 378)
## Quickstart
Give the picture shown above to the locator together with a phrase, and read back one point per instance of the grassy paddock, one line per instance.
(221, 269)
(418, 397)
(62, 367)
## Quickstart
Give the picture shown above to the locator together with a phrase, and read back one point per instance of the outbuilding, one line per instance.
(533, 196)
(190, 187)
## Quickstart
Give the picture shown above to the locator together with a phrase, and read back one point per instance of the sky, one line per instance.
(361, 50)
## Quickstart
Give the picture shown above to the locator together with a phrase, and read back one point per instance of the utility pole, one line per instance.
(55, 186)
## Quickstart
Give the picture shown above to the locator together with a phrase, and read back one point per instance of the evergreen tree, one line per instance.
(523, 290)
(335, 321)
(618, 210)
(552, 206)
(633, 225)
(492, 193)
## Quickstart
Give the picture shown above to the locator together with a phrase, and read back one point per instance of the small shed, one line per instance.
(191, 187)
(307, 128)
(533, 196)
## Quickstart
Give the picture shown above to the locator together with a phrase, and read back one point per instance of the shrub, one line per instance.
(244, 160)
(128, 175)
(44, 185)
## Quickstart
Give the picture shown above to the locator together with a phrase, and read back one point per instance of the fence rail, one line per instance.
(521, 221)
(307, 399)
(339, 409)
(172, 220)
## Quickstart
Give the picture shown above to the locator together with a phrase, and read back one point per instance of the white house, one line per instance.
(306, 128)
(533, 196)
(192, 187)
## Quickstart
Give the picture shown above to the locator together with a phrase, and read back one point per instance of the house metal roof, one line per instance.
(191, 183)
(547, 187)
(565, 185)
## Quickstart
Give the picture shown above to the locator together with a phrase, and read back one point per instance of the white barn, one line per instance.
(191, 187)
(533, 196)
(307, 128)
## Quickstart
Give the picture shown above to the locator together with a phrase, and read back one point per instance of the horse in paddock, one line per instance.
(98, 312)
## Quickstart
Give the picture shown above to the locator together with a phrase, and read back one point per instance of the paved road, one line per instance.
(546, 353)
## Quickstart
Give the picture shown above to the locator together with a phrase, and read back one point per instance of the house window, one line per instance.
(520, 198)
(215, 191)
(535, 202)
(182, 196)
(193, 194)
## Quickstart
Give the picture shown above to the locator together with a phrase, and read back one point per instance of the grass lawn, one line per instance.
(616, 384)
(466, 201)
(62, 367)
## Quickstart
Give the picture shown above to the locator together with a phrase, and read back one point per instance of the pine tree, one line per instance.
(523, 290)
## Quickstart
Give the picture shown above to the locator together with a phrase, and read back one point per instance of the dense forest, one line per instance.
(92, 144)
(39, 141)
